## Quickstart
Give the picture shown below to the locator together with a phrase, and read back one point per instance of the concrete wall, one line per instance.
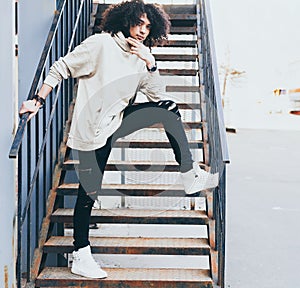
(7, 191)
(35, 18)
(34, 22)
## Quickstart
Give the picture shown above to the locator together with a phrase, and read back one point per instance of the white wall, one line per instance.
(7, 191)
(35, 18)
(263, 40)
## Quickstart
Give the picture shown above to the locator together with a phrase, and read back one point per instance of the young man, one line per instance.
(111, 68)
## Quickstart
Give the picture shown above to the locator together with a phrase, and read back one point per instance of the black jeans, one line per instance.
(92, 163)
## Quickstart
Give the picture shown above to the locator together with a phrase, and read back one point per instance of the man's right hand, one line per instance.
(30, 106)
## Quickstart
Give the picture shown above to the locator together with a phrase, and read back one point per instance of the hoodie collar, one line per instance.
(121, 41)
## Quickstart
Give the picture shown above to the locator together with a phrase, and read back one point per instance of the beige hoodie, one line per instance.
(109, 76)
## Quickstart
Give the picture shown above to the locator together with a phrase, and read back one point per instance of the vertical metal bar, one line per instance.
(37, 183)
(29, 208)
(19, 215)
(45, 157)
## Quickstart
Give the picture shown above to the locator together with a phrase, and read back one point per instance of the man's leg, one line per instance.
(166, 112)
(90, 173)
(143, 115)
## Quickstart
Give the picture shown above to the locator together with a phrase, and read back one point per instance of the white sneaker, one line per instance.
(197, 179)
(85, 265)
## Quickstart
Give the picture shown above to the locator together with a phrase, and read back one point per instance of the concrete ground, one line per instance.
(263, 210)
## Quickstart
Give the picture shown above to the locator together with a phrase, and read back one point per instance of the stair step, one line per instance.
(136, 216)
(173, 9)
(182, 89)
(128, 277)
(183, 30)
(179, 72)
(183, 20)
(187, 17)
(178, 43)
(132, 166)
(195, 144)
(175, 57)
(133, 245)
(163, 190)
(187, 125)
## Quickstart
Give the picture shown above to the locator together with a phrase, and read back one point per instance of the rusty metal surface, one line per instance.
(137, 216)
(170, 166)
(175, 57)
(194, 144)
(162, 190)
(133, 245)
(177, 43)
(178, 72)
(128, 278)
(194, 89)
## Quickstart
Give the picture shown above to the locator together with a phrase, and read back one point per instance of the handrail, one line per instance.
(37, 77)
(36, 142)
(218, 155)
(222, 129)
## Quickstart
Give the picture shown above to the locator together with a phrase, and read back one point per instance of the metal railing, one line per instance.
(216, 132)
(36, 143)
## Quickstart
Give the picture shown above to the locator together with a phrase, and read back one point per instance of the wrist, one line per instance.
(152, 68)
(39, 101)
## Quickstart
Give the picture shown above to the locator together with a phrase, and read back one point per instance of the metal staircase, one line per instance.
(185, 63)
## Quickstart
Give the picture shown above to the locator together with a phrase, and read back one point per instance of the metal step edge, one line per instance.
(182, 88)
(133, 245)
(176, 57)
(197, 144)
(127, 277)
(132, 166)
(136, 216)
(183, 30)
(178, 72)
(138, 190)
(177, 43)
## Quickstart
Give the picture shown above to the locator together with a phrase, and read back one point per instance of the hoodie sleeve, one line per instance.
(152, 85)
(75, 64)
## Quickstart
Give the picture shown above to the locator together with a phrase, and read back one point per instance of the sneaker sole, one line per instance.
(212, 183)
(80, 273)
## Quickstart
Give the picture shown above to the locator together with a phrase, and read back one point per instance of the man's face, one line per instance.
(141, 30)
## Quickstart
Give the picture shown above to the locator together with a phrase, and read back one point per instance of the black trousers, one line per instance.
(92, 163)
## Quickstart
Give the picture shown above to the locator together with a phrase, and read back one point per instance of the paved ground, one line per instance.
(263, 210)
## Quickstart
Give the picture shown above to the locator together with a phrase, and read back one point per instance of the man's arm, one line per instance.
(33, 106)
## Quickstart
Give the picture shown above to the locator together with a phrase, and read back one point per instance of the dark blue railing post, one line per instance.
(36, 143)
(217, 143)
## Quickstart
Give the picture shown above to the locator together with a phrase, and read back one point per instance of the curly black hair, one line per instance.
(122, 16)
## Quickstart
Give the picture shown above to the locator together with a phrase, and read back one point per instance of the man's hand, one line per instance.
(31, 106)
(139, 49)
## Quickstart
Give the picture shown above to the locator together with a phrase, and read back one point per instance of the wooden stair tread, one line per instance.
(180, 16)
(177, 43)
(141, 190)
(175, 57)
(133, 245)
(136, 216)
(178, 72)
(183, 30)
(133, 143)
(182, 88)
(115, 165)
(129, 277)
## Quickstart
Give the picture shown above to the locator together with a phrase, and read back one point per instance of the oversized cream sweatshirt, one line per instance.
(108, 77)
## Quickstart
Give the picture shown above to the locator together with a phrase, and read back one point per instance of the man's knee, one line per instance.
(170, 106)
